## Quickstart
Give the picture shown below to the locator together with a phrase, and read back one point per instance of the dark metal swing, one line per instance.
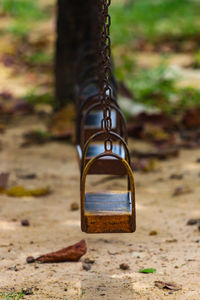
(102, 141)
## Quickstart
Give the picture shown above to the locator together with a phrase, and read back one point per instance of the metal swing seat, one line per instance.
(108, 212)
(102, 143)
(91, 140)
(87, 91)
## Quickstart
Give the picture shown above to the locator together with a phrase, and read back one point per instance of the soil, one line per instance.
(163, 239)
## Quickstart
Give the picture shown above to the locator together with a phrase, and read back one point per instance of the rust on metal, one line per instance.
(101, 134)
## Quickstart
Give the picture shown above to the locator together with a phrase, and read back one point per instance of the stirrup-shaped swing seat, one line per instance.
(90, 122)
(106, 164)
(108, 212)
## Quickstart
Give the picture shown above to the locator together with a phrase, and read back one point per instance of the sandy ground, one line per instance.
(174, 252)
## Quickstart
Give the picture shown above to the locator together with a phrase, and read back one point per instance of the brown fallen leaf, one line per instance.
(36, 137)
(153, 232)
(171, 241)
(145, 165)
(193, 222)
(2, 127)
(21, 107)
(71, 253)
(124, 266)
(159, 154)
(191, 118)
(62, 123)
(176, 176)
(3, 180)
(167, 285)
(182, 190)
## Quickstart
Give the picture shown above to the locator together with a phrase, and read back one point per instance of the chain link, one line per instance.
(105, 71)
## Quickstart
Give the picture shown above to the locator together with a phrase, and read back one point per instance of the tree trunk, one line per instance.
(75, 27)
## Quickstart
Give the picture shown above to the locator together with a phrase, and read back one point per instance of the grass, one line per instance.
(40, 58)
(24, 15)
(12, 296)
(157, 87)
(148, 20)
(33, 97)
(152, 20)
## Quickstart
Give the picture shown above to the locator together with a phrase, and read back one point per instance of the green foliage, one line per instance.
(153, 86)
(157, 87)
(12, 296)
(24, 14)
(151, 20)
(126, 66)
(23, 9)
(40, 58)
(196, 63)
(147, 271)
(34, 97)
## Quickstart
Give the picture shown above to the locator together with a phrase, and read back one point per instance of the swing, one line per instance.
(90, 115)
(108, 211)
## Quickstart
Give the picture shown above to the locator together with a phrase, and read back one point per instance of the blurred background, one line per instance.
(155, 49)
(156, 55)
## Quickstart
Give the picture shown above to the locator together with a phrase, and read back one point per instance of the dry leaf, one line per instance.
(191, 118)
(159, 154)
(124, 266)
(62, 122)
(153, 232)
(3, 180)
(193, 222)
(71, 253)
(167, 285)
(181, 190)
(146, 165)
(20, 191)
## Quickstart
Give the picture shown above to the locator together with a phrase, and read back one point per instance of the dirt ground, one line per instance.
(173, 251)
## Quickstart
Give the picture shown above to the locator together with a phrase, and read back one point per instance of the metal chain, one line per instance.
(105, 71)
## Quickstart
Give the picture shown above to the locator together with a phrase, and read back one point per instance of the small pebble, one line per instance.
(27, 176)
(176, 176)
(28, 291)
(30, 259)
(153, 232)
(193, 222)
(13, 269)
(89, 260)
(182, 190)
(86, 267)
(25, 223)
(74, 206)
(124, 266)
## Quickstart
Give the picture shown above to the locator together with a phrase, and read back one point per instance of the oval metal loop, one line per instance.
(108, 112)
(108, 123)
(108, 145)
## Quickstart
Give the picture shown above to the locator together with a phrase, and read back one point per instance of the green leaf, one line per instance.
(147, 271)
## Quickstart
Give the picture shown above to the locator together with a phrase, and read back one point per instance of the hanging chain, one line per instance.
(105, 72)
